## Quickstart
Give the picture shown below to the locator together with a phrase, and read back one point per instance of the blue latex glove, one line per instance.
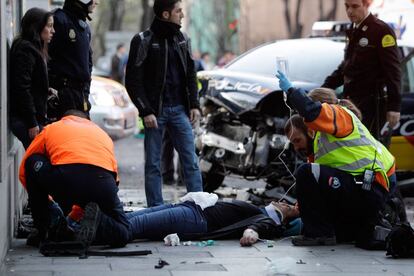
(284, 83)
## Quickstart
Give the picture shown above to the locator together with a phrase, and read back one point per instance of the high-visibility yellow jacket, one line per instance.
(353, 149)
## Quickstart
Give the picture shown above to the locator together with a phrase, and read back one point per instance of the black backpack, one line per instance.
(400, 241)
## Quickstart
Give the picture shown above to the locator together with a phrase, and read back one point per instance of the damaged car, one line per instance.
(244, 110)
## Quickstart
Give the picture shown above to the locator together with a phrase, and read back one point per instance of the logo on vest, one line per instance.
(37, 166)
(334, 182)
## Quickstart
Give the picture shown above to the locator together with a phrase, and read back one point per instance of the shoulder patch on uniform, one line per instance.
(387, 41)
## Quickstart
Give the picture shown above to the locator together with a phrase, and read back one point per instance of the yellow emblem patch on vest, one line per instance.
(388, 41)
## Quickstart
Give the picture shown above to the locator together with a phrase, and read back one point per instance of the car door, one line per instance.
(402, 144)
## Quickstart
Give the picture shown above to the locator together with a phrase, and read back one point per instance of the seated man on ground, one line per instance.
(222, 220)
(73, 161)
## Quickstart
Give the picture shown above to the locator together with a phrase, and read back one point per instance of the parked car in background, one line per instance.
(112, 109)
(248, 84)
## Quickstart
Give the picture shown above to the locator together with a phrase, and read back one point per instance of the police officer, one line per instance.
(370, 71)
(70, 54)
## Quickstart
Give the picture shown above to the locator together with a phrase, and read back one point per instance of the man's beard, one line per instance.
(305, 153)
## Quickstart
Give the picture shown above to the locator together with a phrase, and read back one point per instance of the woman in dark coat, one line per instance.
(29, 85)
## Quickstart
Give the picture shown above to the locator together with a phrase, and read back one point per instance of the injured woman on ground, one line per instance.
(192, 220)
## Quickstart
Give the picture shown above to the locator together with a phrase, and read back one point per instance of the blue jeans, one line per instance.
(157, 222)
(179, 127)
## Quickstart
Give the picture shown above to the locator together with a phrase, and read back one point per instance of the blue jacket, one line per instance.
(70, 51)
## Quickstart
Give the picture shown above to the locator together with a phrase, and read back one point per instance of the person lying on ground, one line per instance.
(222, 220)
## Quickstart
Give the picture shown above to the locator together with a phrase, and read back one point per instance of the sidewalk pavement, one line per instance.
(222, 258)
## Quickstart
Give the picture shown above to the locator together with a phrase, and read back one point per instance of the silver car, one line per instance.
(112, 109)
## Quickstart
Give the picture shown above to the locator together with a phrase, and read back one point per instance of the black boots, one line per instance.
(89, 224)
(308, 241)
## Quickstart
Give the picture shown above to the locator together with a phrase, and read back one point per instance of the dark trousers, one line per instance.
(70, 98)
(76, 184)
(373, 109)
(167, 160)
(331, 203)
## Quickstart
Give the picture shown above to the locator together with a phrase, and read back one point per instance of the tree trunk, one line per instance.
(147, 14)
(287, 17)
(117, 12)
(294, 28)
(331, 14)
(298, 25)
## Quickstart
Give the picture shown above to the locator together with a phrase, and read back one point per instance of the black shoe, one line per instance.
(61, 232)
(307, 241)
(34, 238)
(89, 224)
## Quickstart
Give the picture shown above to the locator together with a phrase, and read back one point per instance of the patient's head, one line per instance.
(288, 211)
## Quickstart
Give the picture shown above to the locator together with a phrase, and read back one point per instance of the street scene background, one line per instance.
(225, 29)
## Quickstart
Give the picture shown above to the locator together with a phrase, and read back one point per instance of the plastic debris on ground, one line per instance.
(269, 243)
(206, 243)
(172, 240)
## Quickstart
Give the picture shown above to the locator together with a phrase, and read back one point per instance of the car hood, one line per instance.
(240, 92)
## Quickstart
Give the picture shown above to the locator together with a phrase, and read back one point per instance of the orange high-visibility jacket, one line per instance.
(73, 140)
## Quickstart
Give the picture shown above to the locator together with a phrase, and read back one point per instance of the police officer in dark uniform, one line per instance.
(70, 54)
(370, 72)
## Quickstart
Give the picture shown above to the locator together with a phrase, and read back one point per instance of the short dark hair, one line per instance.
(297, 122)
(119, 46)
(161, 6)
(204, 54)
(77, 113)
(32, 25)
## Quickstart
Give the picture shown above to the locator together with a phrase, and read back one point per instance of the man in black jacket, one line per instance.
(70, 54)
(161, 81)
(370, 72)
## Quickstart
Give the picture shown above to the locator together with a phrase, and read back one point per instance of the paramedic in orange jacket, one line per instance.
(73, 161)
(336, 203)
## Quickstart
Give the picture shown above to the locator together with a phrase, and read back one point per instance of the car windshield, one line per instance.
(305, 61)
